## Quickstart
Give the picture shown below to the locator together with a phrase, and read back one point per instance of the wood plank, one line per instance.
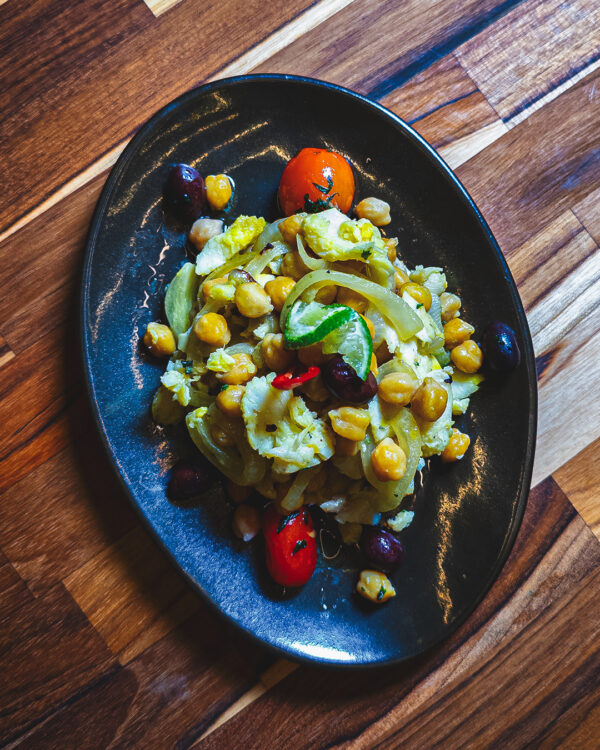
(443, 104)
(531, 50)
(540, 168)
(579, 479)
(74, 509)
(50, 125)
(557, 272)
(518, 692)
(49, 652)
(39, 298)
(554, 554)
(587, 211)
(375, 46)
(160, 6)
(163, 698)
(131, 594)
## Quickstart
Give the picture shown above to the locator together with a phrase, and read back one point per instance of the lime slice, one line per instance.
(353, 341)
(310, 322)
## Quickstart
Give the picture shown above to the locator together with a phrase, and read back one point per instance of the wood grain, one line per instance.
(580, 480)
(50, 100)
(125, 656)
(554, 555)
(559, 37)
(554, 164)
(443, 104)
(587, 211)
(131, 594)
(49, 650)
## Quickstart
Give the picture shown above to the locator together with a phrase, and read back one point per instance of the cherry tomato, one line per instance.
(290, 546)
(314, 180)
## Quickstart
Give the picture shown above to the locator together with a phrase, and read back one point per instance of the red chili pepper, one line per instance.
(290, 546)
(288, 380)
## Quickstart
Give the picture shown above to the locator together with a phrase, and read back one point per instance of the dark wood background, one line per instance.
(101, 643)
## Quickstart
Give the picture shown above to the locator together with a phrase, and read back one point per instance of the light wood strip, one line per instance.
(282, 38)
(158, 7)
(83, 178)
(271, 677)
(6, 353)
(540, 168)
(466, 148)
(579, 479)
(532, 50)
(587, 211)
(131, 594)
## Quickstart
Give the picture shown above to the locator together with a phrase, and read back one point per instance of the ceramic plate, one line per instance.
(466, 516)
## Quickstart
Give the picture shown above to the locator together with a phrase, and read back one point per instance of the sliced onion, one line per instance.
(315, 264)
(257, 265)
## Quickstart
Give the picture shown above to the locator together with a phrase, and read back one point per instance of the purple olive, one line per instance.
(341, 379)
(500, 348)
(185, 193)
(381, 547)
(189, 479)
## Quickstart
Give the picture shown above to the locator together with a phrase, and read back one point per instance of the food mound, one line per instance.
(313, 368)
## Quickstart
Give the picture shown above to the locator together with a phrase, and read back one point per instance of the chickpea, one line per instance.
(252, 300)
(350, 298)
(276, 357)
(159, 340)
(429, 401)
(289, 228)
(229, 400)
(350, 422)
(246, 522)
(237, 492)
(419, 293)
(456, 331)
(375, 210)
(467, 356)
(279, 289)
(457, 446)
(202, 230)
(212, 328)
(391, 245)
(242, 371)
(450, 306)
(388, 461)
(345, 447)
(293, 265)
(208, 285)
(398, 388)
(370, 326)
(400, 279)
(311, 355)
(326, 294)
(374, 586)
(218, 191)
(223, 434)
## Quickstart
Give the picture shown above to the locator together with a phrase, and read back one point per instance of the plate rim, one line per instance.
(527, 356)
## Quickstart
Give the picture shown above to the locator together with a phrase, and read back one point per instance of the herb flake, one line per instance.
(300, 544)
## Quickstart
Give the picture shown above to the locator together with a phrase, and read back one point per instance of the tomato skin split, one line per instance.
(290, 546)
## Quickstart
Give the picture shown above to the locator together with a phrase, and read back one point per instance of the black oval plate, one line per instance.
(467, 516)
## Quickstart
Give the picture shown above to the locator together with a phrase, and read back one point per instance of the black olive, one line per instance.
(381, 547)
(500, 348)
(185, 193)
(341, 380)
(189, 480)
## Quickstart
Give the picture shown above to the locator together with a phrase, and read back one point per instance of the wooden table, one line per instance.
(102, 643)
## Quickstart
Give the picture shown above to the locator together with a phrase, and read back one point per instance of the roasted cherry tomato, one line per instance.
(290, 546)
(314, 180)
